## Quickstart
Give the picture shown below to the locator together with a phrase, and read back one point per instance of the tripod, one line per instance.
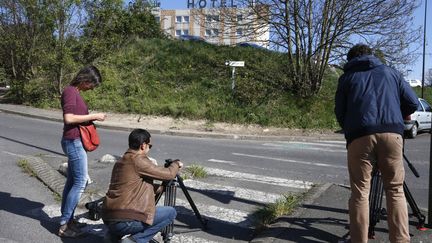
(376, 197)
(170, 190)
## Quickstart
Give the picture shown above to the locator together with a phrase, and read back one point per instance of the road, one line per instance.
(243, 174)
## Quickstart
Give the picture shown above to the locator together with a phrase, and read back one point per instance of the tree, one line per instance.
(316, 33)
(66, 17)
(110, 24)
(428, 77)
(26, 35)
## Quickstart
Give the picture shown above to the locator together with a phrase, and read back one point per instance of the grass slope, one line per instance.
(190, 80)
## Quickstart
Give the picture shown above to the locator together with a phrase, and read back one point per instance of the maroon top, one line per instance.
(72, 103)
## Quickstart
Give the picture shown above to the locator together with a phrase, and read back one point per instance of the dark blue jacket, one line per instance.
(372, 98)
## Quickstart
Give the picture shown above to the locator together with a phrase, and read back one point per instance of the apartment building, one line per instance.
(221, 26)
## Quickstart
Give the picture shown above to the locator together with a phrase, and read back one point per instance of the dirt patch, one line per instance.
(170, 124)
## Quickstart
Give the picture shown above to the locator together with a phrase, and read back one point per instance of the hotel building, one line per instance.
(221, 26)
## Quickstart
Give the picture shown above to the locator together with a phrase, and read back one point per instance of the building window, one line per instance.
(157, 18)
(239, 18)
(185, 32)
(212, 18)
(215, 32)
(178, 19)
(207, 32)
(178, 32)
(239, 32)
(186, 19)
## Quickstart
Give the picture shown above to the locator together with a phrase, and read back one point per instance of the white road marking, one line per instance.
(14, 154)
(222, 161)
(324, 144)
(334, 141)
(259, 178)
(291, 161)
(326, 149)
(230, 216)
(235, 192)
(183, 238)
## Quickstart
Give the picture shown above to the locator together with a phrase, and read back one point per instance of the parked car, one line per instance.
(253, 45)
(420, 120)
(191, 38)
(414, 82)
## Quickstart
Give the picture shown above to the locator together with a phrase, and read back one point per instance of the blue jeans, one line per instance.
(76, 177)
(141, 232)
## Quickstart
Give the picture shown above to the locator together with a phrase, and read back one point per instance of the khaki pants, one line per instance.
(386, 150)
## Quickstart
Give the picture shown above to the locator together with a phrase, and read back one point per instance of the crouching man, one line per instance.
(129, 206)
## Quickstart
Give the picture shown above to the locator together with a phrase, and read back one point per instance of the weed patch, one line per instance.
(266, 215)
(194, 172)
(25, 167)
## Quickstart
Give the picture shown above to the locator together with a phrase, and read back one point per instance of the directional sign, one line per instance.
(236, 63)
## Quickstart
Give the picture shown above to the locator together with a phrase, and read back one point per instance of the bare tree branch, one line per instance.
(314, 33)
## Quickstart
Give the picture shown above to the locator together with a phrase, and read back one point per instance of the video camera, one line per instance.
(168, 162)
(95, 209)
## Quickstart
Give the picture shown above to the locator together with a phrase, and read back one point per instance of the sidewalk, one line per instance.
(322, 216)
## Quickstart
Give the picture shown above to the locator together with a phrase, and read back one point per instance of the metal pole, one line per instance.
(424, 50)
(430, 145)
(233, 79)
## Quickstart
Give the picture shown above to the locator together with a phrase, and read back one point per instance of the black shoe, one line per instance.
(67, 232)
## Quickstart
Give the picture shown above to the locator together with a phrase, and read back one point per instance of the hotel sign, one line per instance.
(211, 4)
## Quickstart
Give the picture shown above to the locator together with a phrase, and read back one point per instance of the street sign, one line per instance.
(236, 63)
(233, 65)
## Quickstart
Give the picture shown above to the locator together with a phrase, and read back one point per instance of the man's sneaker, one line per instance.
(67, 232)
(127, 239)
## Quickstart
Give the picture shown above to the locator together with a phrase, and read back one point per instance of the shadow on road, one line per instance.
(31, 145)
(24, 207)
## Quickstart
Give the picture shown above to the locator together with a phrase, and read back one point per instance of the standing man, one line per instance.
(129, 206)
(371, 101)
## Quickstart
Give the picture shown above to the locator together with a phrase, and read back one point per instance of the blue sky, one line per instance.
(416, 68)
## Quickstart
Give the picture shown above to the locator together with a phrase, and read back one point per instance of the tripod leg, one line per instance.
(170, 197)
(375, 202)
(416, 211)
(191, 202)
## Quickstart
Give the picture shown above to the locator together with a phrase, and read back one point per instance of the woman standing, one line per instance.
(75, 112)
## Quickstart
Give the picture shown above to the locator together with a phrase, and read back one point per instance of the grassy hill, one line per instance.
(190, 80)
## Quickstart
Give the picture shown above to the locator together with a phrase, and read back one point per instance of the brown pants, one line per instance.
(386, 150)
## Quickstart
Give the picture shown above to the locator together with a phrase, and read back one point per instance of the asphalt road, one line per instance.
(312, 161)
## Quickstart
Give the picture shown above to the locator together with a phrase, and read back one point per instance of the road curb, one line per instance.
(55, 181)
(44, 172)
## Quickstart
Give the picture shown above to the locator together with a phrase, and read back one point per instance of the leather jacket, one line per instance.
(131, 193)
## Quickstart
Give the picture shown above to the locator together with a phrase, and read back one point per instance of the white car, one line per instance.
(418, 121)
(414, 82)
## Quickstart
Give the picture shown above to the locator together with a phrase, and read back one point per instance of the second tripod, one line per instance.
(376, 211)
(170, 190)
